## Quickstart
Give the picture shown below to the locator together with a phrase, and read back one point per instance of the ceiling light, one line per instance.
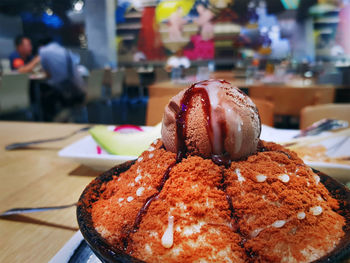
(49, 11)
(78, 6)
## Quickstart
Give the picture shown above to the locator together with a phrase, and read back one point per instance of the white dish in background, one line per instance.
(339, 171)
(84, 151)
(341, 147)
(276, 135)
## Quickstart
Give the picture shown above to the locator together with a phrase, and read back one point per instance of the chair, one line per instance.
(290, 100)
(94, 84)
(107, 83)
(191, 71)
(155, 109)
(161, 74)
(132, 79)
(14, 93)
(311, 114)
(5, 65)
(95, 109)
(266, 111)
(117, 82)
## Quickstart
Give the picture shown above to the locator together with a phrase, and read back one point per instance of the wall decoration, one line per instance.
(221, 3)
(174, 23)
(202, 43)
(167, 7)
(325, 22)
(199, 29)
(149, 41)
(202, 49)
(343, 33)
(204, 21)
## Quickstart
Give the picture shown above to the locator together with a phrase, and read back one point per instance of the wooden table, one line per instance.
(288, 99)
(171, 88)
(38, 177)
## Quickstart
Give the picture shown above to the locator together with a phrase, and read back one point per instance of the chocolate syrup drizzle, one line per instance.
(181, 126)
(143, 210)
(181, 121)
(153, 197)
(181, 118)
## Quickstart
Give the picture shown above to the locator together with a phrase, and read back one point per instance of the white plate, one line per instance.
(339, 171)
(84, 152)
(75, 250)
(341, 147)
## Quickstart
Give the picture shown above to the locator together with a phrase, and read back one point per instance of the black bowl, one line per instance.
(107, 253)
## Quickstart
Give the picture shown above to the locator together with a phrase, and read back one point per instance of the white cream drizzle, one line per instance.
(233, 120)
(284, 178)
(256, 232)
(260, 178)
(139, 191)
(168, 236)
(276, 224)
(234, 124)
(316, 210)
(138, 178)
(151, 148)
(279, 223)
(239, 175)
(301, 215)
(317, 179)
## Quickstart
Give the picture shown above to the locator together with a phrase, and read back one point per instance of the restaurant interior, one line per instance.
(84, 85)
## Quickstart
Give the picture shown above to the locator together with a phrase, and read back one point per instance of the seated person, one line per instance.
(65, 85)
(22, 59)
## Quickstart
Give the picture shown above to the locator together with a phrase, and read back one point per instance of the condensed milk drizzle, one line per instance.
(216, 112)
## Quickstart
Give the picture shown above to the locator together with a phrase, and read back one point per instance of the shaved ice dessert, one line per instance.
(210, 191)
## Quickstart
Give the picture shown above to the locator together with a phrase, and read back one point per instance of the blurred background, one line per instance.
(119, 62)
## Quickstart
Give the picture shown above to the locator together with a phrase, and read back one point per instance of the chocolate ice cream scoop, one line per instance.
(211, 119)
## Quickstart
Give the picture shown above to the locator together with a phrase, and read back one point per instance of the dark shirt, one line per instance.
(17, 61)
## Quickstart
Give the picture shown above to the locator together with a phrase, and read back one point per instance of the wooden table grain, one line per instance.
(38, 177)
